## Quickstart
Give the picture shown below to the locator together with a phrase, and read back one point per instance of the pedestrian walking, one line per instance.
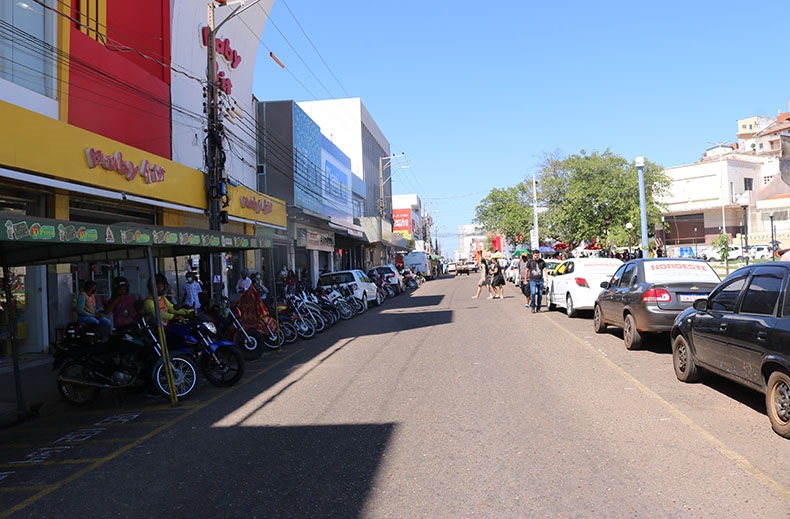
(536, 271)
(484, 280)
(523, 278)
(497, 280)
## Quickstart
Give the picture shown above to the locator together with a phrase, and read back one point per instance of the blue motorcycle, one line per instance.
(221, 361)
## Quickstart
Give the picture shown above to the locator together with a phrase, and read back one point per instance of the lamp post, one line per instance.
(743, 200)
(695, 242)
(773, 237)
(385, 162)
(640, 167)
(664, 236)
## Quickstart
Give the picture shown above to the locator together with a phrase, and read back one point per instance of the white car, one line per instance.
(364, 289)
(511, 272)
(390, 272)
(576, 283)
(760, 251)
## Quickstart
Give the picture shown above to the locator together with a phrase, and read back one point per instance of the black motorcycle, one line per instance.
(129, 359)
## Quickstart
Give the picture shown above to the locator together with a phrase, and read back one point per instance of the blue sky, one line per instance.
(476, 93)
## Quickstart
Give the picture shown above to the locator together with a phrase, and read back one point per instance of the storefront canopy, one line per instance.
(37, 241)
(31, 240)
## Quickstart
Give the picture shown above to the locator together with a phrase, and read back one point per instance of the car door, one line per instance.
(620, 294)
(559, 282)
(711, 327)
(751, 331)
(606, 297)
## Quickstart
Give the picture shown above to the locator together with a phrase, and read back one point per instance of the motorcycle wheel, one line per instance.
(274, 340)
(184, 377)
(304, 328)
(224, 368)
(346, 310)
(289, 331)
(251, 349)
(330, 317)
(318, 322)
(77, 394)
(380, 297)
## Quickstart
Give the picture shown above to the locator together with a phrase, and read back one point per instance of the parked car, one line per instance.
(645, 295)
(741, 331)
(551, 264)
(360, 283)
(390, 272)
(575, 283)
(760, 251)
(511, 272)
(735, 253)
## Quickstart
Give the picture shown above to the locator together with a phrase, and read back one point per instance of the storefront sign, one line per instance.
(150, 172)
(256, 204)
(222, 48)
(315, 239)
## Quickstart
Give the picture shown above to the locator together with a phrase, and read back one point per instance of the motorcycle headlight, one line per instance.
(211, 327)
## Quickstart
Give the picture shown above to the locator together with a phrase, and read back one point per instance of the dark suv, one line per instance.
(742, 332)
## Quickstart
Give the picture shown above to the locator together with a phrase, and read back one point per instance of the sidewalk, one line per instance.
(39, 389)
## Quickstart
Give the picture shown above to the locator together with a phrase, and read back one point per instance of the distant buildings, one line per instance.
(736, 189)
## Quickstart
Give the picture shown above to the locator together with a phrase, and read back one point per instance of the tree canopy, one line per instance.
(583, 197)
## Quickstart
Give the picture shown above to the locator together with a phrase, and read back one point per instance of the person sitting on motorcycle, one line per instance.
(122, 304)
(87, 313)
(166, 308)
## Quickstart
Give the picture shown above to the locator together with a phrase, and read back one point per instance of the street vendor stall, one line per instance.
(29, 240)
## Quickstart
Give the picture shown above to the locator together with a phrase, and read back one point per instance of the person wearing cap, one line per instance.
(191, 291)
(166, 308)
(121, 304)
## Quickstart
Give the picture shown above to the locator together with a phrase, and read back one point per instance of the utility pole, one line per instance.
(214, 156)
(216, 181)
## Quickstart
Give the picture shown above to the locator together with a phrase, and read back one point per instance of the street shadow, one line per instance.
(748, 397)
(653, 342)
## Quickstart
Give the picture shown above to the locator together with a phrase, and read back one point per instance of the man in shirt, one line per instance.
(86, 310)
(536, 271)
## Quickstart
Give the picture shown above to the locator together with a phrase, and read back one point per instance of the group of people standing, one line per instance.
(532, 273)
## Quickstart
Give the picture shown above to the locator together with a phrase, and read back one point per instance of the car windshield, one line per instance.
(384, 271)
(671, 271)
(335, 278)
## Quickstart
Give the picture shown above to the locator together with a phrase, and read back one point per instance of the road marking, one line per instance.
(102, 461)
(739, 459)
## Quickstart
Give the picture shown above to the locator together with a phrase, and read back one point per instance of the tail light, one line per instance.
(656, 295)
(581, 282)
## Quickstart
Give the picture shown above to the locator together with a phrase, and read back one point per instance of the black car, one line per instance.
(742, 332)
(645, 295)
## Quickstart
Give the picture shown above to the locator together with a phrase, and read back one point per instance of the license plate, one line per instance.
(690, 298)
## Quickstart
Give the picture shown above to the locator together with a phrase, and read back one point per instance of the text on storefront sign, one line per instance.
(148, 170)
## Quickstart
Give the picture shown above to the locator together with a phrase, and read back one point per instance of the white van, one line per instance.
(418, 262)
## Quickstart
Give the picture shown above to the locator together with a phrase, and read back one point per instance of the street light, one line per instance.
(664, 236)
(695, 242)
(385, 162)
(640, 167)
(743, 200)
(773, 237)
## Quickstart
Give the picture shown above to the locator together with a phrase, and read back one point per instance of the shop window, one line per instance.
(748, 184)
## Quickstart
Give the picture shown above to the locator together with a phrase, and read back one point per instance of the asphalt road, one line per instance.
(434, 405)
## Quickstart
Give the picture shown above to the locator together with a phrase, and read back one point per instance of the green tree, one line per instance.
(507, 211)
(592, 196)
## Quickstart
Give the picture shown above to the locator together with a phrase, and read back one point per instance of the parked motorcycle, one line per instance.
(129, 359)
(221, 361)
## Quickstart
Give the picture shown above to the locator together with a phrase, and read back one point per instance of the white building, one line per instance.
(737, 190)
(471, 241)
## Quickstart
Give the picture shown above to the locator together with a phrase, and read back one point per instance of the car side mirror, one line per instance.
(604, 284)
(701, 305)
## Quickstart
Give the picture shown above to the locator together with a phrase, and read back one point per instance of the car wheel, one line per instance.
(631, 336)
(683, 361)
(599, 325)
(570, 310)
(777, 402)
